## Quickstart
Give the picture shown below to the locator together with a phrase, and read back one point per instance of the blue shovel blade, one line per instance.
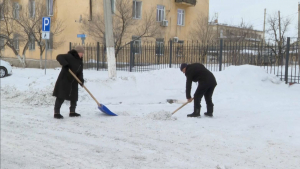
(105, 110)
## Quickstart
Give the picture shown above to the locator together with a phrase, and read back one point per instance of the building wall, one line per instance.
(70, 12)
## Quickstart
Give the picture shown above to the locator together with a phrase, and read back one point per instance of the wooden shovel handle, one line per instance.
(181, 106)
(84, 87)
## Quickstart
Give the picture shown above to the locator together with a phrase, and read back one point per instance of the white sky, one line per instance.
(252, 11)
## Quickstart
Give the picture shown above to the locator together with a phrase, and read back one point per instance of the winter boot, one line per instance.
(58, 116)
(73, 114)
(196, 113)
(210, 111)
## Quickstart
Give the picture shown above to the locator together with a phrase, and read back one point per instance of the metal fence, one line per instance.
(283, 61)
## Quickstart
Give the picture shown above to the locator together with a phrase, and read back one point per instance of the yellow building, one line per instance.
(174, 19)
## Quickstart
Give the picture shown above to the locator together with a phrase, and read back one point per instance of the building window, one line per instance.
(16, 41)
(31, 43)
(137, 10)
(2, 43)
(50, 7)
(91, 10)
(16, 10)
(113, 6)
(179, 48)
(31, 7)
(180, 17)
(160, 13)
(2, 11)
(137, 44)
(159, 46)
(50, 42)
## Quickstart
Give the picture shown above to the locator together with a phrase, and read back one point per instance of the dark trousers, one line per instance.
(59, 102)
(207, 91)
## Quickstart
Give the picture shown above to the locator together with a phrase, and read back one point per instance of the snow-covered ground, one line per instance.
(256, 122)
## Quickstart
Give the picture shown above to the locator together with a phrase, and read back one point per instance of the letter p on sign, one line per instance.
(46, 24)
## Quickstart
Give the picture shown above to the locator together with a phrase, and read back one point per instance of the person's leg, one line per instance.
(208, 99)
(57, 106)
(197, 101)
(72, 109)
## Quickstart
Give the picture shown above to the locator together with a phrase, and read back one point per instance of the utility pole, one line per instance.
(264, 25)
(110, 48)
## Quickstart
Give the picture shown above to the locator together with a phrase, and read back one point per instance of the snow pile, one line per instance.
(248, 74)
(256, 121)
(162, 115)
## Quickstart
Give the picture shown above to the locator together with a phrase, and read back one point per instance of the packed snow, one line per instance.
(256, 122)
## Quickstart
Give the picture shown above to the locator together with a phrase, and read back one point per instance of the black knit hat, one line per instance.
(182, 66)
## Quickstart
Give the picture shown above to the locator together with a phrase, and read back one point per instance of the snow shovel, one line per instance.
(101, 107)
(181, 106)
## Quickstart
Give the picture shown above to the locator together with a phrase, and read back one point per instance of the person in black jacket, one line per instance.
(196, 72)
(66, 87)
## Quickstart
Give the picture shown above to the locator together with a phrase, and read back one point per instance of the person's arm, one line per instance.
(80, 77)
(62, 59)
(188, 87)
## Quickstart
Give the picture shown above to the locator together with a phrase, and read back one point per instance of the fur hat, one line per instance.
(79, 49)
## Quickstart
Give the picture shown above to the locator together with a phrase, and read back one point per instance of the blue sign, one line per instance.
(46, 24)
(81, 35)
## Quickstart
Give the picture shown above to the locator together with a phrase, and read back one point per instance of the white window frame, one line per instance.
(31, 43)
(180, 17)
(31, 8)
(160, 13)
(16, 11)
(160, 45)
(16, 41)
(2, 43)
(50, 42)
(113, 6)
(2, 11)
(137, 42)
(135, 10)
(50, 7)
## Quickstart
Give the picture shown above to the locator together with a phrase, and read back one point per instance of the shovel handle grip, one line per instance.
(99, 105)
(181, 106)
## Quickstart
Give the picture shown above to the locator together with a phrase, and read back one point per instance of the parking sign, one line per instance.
(46, 24)
(46, 27)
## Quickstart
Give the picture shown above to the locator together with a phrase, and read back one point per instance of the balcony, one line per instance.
(186, 2)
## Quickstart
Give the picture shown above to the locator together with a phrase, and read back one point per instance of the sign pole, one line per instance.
(46, 25)
(46, 41)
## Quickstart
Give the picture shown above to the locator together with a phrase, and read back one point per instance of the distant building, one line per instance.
(235, 33)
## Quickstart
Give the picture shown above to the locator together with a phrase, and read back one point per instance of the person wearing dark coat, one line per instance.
(196, 72)
(66, 87)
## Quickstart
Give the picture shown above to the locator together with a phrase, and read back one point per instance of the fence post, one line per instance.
(98, 55)
(131, 56)
(70, 46)
(171, 50)
(287, 60)
(221, 51)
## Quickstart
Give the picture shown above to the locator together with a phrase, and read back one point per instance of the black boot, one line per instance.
(196, 113)
(58, 116)
(210, 111)
(73, 114)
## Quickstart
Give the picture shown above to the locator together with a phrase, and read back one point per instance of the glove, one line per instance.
(82, 83)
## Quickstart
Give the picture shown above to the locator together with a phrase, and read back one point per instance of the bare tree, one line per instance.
(203, 32)
(11, 31)
(36, 27)
(124, 25)
(277, 32)
(29, 24)
(238, 33)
